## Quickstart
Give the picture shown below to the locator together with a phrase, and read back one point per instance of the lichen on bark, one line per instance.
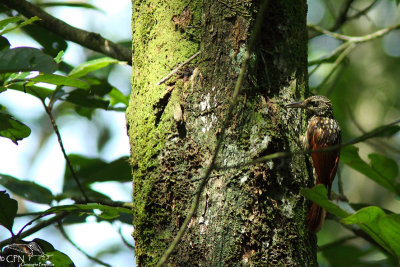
(251, 216)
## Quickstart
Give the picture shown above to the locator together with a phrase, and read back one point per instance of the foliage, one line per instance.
(44, 75)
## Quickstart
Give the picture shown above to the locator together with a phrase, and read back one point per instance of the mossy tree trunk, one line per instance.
(251, 216)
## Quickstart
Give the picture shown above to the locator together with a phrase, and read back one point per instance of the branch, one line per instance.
(284, 154)
(36, 228)
(166, 78)
(225, 125)
(55, 127)
(87, 39)
(64, 234)
(354, 39)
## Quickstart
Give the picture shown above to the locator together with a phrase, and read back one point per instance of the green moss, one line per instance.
(159, 45)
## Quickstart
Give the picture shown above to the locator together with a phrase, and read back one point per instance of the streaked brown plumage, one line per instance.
(322, 131)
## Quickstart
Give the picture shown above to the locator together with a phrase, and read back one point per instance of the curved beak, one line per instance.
(299, 104)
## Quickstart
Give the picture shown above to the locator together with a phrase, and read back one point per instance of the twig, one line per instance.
(87, 39)
(124, 240)
(225, 125)
(336, 242)
(166, 78)
(309, 151)
(64, 234)
(55, 127)
(36, 228)
(354, 39)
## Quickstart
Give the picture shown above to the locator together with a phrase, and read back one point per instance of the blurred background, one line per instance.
(38, 158)
(364, 89)
(365, 92)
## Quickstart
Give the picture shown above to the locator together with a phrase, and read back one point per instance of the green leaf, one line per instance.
(59, 80)
(69, 4)
(375, 171)
(26, 189)
(8, 207)
(319, 195)
(384, 229)
(54, 256)
(91, 170)
(90, 66)
(51, 42)
(6, 21)
(389, 226)
(12, 129)
(107, 212)
(117, 97)
(26, 22)
(26, 59)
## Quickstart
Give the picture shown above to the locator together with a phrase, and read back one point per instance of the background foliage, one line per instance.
(359, 75)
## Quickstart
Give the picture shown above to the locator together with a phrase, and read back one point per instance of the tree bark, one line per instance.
(250, 216)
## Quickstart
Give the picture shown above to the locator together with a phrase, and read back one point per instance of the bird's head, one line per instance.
(317, 105)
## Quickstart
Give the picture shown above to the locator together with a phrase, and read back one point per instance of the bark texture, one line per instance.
(251, 216)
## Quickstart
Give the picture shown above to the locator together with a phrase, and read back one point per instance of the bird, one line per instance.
(323, 131)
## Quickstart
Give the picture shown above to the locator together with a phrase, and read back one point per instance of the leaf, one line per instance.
(375, 171)
(60, 80)
(26, 22)
(107, 212)
(12, 129)
(37, 91)
(51, 42)
(117, 97)
(319, 195)
(83, 98)
(6, 21)
(54, 256)
(384, 229)
(69, 4)
(26, 59)
(26, 189)
(8, 207)
(4, 43)
(90, 66)
(91, 170)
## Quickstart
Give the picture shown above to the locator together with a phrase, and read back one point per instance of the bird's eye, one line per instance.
(314, 104)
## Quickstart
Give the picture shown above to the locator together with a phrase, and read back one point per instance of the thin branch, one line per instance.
(87, 39)
(309, 151)
(166, 78)
(36, 228)
(65, 235)
(342, 18)
(363, 11)
(225, 125)
(55, 127)
(124, 240)
(336, 242)
(354, 39)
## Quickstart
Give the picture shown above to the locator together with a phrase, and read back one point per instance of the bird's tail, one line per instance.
(316, 218)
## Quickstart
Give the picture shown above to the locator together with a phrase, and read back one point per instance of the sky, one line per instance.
(46, 167)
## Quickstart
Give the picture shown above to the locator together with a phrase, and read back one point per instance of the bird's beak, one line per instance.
(299, 104)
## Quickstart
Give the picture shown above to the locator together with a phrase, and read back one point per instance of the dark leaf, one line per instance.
(69, 4)
(4, 44)
(84, 99)
(319, 195)
(91, 170)
(51, 42)
(8, 207)
(26, 59)
(26, 189)
(376, 171)
(12, 129)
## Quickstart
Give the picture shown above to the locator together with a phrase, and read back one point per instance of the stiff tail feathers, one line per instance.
(316, 218)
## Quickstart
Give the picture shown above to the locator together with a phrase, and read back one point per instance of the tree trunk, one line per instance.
(250, 216)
